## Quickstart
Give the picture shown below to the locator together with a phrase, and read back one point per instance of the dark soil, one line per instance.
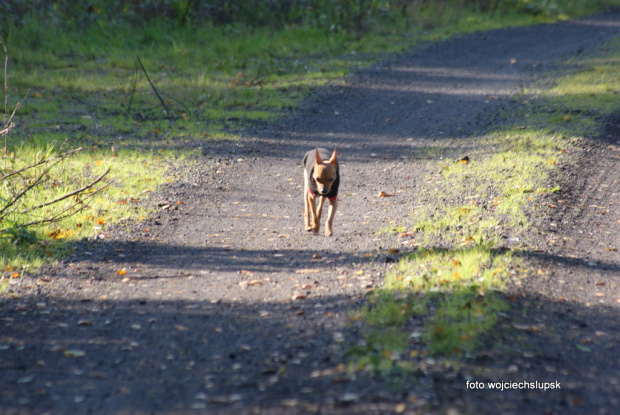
(229, 306)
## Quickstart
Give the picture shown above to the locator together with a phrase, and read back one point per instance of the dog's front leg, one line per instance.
(310, 218)
(333, 204)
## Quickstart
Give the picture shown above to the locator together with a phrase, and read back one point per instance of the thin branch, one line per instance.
(43, 161)
(6, 82)
(152, 86)
(180, 102)
(61, 215)
(63, 197)
(135, 83)
(27, 188)
(7, 125)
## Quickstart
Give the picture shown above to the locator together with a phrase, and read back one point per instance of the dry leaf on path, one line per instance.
(307, 271)
(74, 353)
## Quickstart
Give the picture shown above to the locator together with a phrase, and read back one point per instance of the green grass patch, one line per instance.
(132, 176)
(471, 228)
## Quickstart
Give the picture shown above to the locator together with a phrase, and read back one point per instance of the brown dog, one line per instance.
(321, 178)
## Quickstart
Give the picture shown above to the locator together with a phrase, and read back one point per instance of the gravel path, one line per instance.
(221, 303)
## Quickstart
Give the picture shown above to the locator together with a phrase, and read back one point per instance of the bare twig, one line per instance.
(135, 83)
(6, 125)
(42, 161)
(63, 214)
(38, 180)
(75, 192)
(152, 86)
(180, 102)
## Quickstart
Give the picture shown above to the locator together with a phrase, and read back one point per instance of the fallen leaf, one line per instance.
(250, 283)
(15, 275)
(524, 327)
(383, 194)
(316, 256)
(307, 271)
(513, 61)
(85, 323)
(298, 296)
(121, 271)
(74, 353)
(583, 348)
(463, 160)
(611, 249)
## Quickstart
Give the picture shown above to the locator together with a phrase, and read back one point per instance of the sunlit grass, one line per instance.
(472, 229)
(132, 176)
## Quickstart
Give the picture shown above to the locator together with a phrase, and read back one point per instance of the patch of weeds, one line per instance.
(461, 317)
(132, 176)
(381, 350)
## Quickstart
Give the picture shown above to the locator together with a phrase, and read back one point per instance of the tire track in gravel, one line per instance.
(228, 306)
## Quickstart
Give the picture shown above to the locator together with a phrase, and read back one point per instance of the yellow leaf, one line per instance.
(15, 275)
(121, 271)
(74, 353)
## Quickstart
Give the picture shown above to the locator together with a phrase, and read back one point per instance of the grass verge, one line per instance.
(470, 234)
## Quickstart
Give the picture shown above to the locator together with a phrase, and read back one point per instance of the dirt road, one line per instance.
(223, 304)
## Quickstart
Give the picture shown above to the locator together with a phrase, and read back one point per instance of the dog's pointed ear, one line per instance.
(334, 157)
(318, 158)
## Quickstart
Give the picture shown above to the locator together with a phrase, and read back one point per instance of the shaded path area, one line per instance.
(221, 303)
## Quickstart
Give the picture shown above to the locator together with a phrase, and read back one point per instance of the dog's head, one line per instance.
(325, 172)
